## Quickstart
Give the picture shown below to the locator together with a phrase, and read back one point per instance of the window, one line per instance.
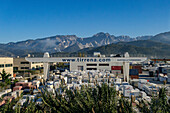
(24, 67)
(1, 65)
(8, 65)
(15, 68)
(80, 68)
(35, 62)
(91, 64)
(24, 62)
(91, 68)
(103, 64)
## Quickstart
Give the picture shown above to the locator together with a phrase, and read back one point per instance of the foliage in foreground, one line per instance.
(6, 80)
(158, 104)
(90, 100)
(100, 99)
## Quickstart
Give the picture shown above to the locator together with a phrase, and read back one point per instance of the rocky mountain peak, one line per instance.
(71, 43)
(101, 34)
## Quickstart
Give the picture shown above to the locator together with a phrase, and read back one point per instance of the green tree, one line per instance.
(102, 99)
(158, 104)
(5, 79)
(4, 75)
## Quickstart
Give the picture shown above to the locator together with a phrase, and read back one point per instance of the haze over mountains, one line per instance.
(160, 44)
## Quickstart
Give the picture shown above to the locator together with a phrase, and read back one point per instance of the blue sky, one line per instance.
(31, 19)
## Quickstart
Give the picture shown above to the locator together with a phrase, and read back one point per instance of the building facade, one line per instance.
(89, 63)
(93, 65)
(22, 64)
(6, 63)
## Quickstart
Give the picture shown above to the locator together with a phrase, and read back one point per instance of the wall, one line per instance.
(97, 65)
(19, 62)
(36, 65)
(4, 61)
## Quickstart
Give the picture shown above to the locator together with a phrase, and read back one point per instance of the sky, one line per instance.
(31, 19)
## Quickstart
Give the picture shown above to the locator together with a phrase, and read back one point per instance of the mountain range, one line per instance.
(157, 44)
(142, 48)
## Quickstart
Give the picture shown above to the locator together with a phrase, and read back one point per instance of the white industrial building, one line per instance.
(89, 63)
(74, 66)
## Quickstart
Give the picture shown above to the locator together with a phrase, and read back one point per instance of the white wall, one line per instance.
(74, 65)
